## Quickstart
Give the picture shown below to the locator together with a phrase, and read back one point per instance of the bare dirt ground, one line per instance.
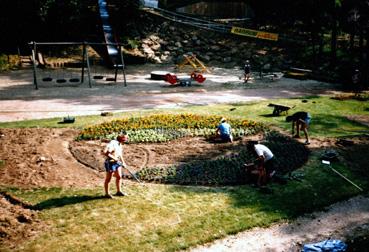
(33, 158)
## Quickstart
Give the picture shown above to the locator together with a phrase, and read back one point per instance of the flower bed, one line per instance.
(165, 127)
(224, 170)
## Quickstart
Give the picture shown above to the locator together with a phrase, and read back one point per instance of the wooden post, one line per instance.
(34, 65)
(83, 61)
(123, 66)
(88, 67)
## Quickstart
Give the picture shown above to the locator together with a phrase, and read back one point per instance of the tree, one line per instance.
(17, 21)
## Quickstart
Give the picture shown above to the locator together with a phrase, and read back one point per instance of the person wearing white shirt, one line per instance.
(114, 162)
(264, 162)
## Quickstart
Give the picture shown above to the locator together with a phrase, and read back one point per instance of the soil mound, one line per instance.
(34, 158)
(17, 223)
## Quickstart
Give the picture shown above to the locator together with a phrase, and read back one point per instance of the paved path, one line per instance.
(20, 100)
(282, 237)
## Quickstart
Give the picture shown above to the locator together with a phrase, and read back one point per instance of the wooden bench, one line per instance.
(278, 109)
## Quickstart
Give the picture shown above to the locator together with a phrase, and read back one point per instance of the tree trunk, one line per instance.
(313, 37)
(320, 37)
(334, 39)
(366, 62)
(361, 47)
(352, 41)
(313, 46)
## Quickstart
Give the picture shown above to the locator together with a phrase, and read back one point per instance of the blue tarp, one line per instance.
(326, 246)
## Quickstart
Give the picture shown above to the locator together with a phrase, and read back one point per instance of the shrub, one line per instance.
(8, 62)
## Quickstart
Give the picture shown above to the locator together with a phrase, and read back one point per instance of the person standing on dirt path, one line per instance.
(356, 81)
(246, 71)
(301, 120)
(224, 130)
(263, 165)
(114, 162)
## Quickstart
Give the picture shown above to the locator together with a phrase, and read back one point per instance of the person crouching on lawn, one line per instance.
(114, 162)
(224, 130)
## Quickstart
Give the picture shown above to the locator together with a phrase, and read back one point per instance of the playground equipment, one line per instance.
(68, 62)
(100, 72)
(194, 62)
(266, 73)
(184, 81)
(53, 66)
(110, 52)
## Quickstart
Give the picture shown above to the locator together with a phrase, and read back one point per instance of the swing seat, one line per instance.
(47, 79)
(61, 80)
(98, 77)
(74, 80)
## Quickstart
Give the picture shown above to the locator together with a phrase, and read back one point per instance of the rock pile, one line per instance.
(163, 41)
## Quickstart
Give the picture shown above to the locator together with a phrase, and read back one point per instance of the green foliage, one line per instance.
(8, 62)
(133, 43)
(3, 62)
(229, 170)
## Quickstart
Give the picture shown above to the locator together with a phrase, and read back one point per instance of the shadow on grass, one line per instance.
(63, 201)
(287, 201)
(334, 125)
(272, 115)
(308, 97)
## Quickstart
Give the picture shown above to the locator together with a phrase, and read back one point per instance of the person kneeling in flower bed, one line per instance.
(263, 166)
(114, 162)
(224, 130)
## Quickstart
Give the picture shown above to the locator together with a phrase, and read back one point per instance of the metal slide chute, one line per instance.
(110, 53)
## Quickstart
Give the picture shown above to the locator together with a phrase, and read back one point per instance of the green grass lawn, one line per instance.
(158, 217)
(168, 217)
(328, 115)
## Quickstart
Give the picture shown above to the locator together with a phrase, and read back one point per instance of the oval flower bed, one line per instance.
(224, 170)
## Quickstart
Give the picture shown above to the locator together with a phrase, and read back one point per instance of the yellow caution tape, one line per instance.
(254, 33)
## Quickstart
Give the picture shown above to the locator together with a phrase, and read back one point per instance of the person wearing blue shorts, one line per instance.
(114, 162)
(302, 121)
(224, 130)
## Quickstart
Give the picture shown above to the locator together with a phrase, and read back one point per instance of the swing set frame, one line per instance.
(85, 59)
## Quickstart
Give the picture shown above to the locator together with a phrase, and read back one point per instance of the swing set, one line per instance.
(52, 64)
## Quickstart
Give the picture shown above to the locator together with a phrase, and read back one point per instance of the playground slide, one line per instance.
(110, 54)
